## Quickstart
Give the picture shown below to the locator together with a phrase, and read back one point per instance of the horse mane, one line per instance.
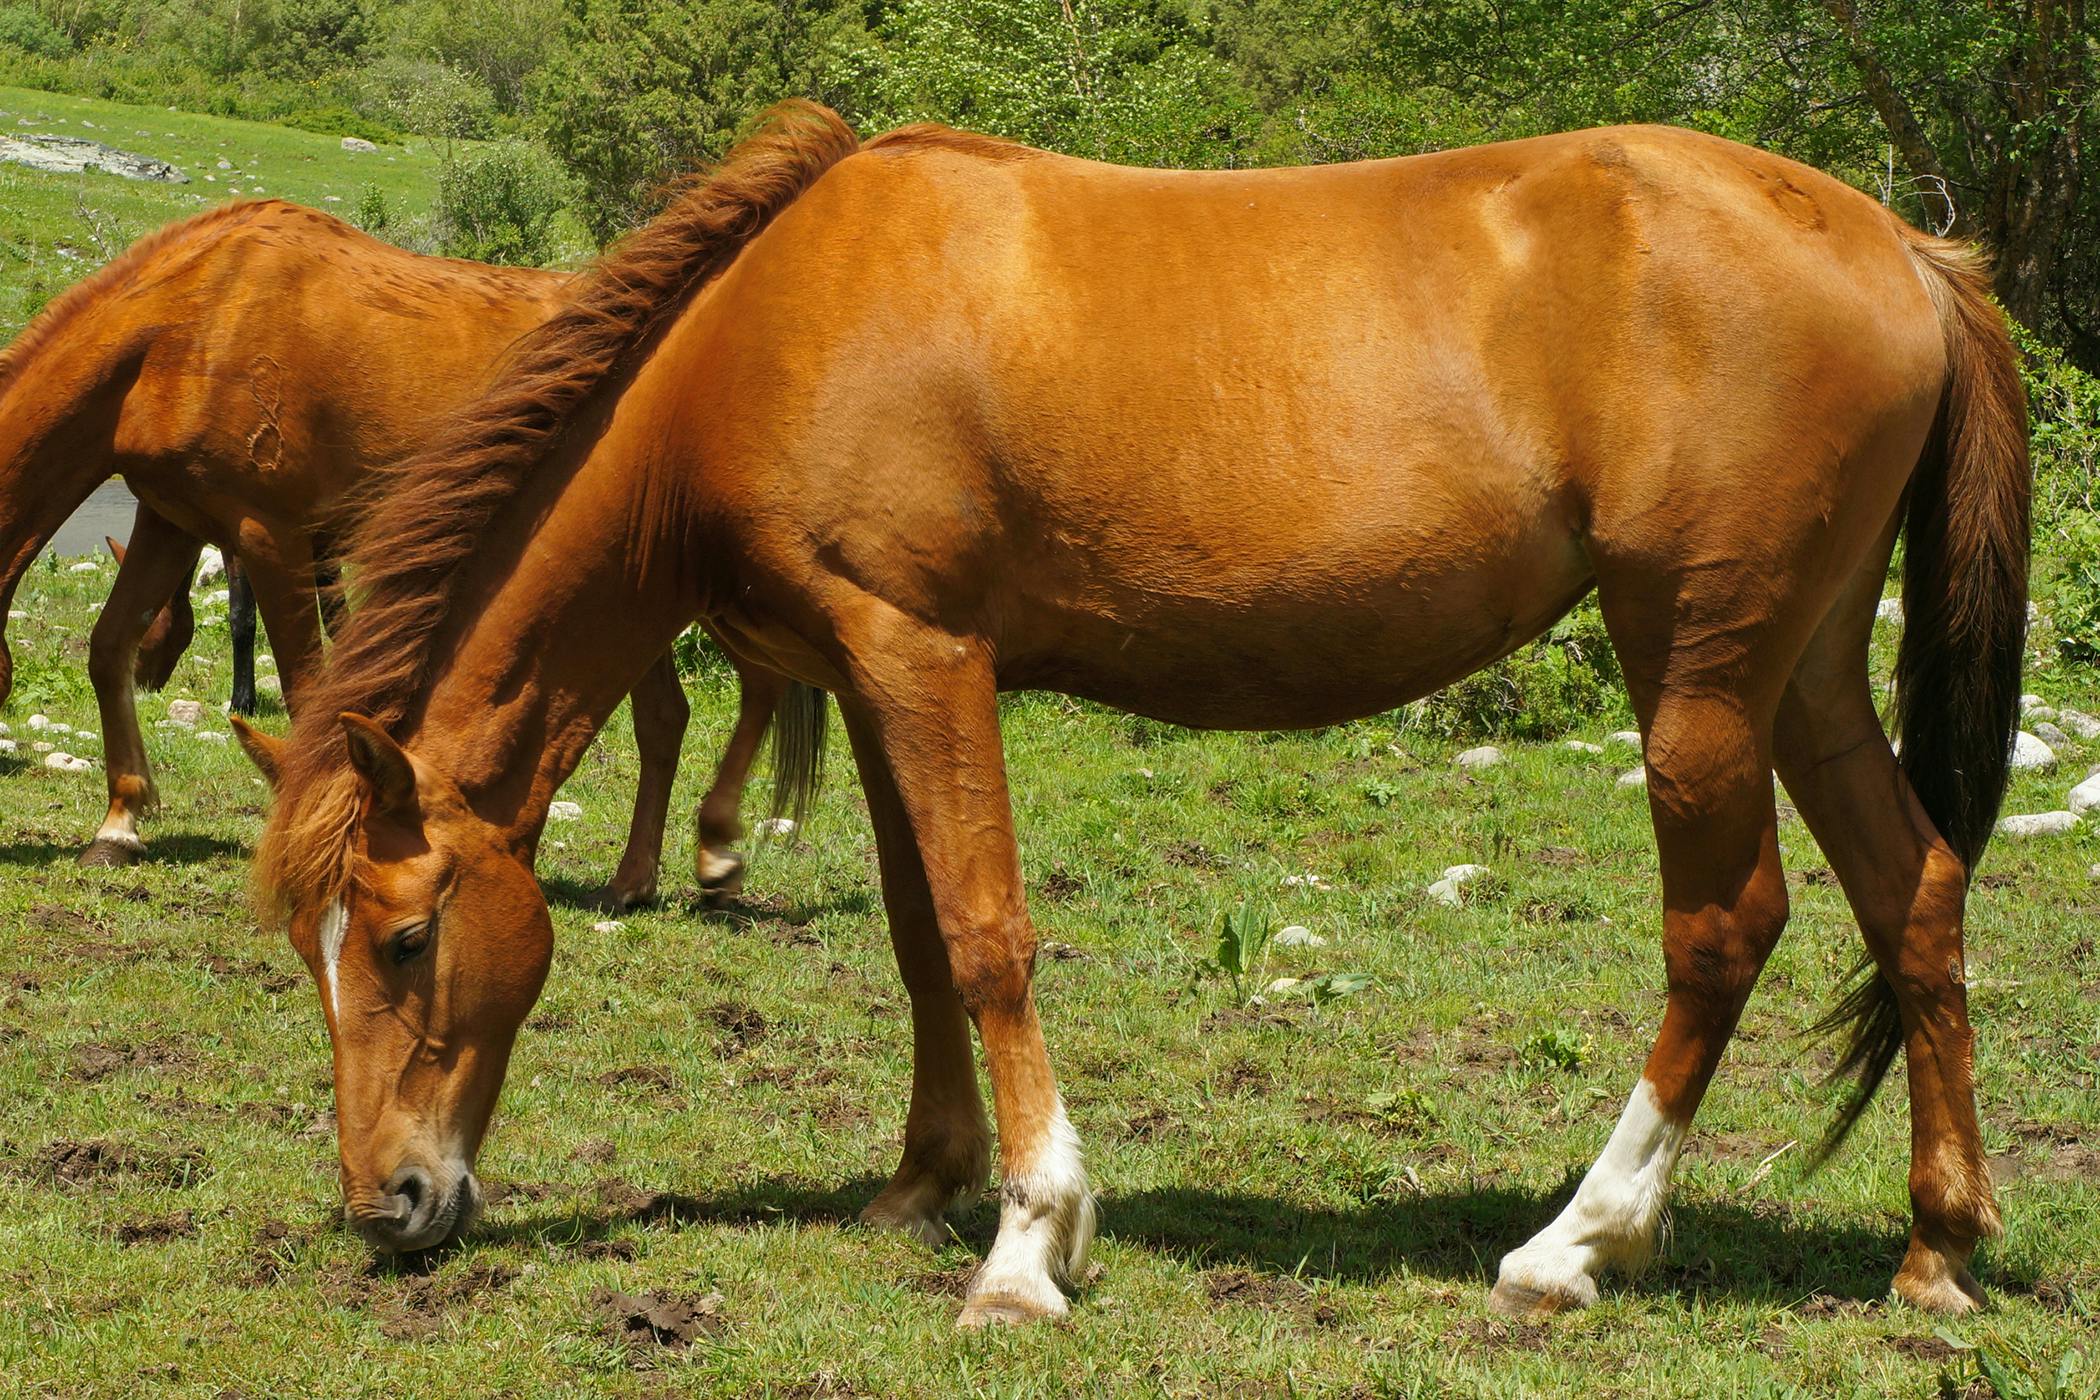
(421, 518)
(61, 309)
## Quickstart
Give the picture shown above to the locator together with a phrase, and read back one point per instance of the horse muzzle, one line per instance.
(418, 1208)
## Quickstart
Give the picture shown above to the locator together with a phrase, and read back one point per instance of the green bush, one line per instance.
(1563, 681)
(341, 121)
(26, 29)
(2064, 410)
(499, 204)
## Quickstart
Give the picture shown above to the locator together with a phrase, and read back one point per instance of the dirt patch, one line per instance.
(158, 1229)
(80, 1164)
(944, 1283)
(625, 1201)
(263, 975)
(595, 1152)
(1815, 877)
(650, 1081)
(1244, 1078)
(510, 1192)
(644, 1321)
(1269, 1292)
(420, 1306)
(1502, 1334)
(1827, 1305)
(1061, 884)
(1922, 1348)
(277, 1248)
(1193, 855)
(550, 1021)
(1560, 857)
(618, 1251)
(742, 1027)
(95, 1061)
(1149, 1124)
(794, 1076)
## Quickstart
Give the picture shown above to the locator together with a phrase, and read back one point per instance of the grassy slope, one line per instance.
(1288, 1201)
(55, 229)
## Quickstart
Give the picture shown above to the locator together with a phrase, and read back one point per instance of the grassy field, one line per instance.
(55, 229)
(1294, 1200)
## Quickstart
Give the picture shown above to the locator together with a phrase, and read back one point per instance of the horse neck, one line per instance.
(559, 625)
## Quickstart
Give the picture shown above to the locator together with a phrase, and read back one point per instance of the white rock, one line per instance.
(1299, 936)
(85, 566)
(2079, 723)
(1582, 746)
(2038, 824)
(17, 615)
(211, 566)
(1460, 874)
(269, 685)
(1625, 738)
(2039, 712)
(2031, 755)
(5, 730)
(1307, 881)
(185, 712)
(607, 926)
(61, 729)
(1486, 756)
(1446, 891)
(2049, 734)
(564, 811)
(66, 763)
(2029, 701)
(1637, 777)
(357, 143)
(225, 164)
(2092, 872)
(88, 734)
(1889, 610)
(1281, 985)
(41, 747)
(7, 746)
(39, 721)
(210, 736)
(777, 826)
(2085, 796)
(222, 597)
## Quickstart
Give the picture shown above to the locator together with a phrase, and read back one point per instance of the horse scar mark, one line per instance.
(266, 383)
(1793, 201)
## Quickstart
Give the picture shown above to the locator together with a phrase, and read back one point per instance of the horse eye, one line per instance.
(404, 946)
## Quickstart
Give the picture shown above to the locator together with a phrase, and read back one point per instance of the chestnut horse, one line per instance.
(244, 370)
(939, 416)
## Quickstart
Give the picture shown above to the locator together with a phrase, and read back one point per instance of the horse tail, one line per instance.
(1966, 533)
(800, 723)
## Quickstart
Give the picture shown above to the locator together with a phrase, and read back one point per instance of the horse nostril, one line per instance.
(411, 1185)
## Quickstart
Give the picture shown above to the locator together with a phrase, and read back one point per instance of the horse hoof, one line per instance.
(1943, 1296)
(1513, 1299)
(721, 875)
(931, 1231)
(104, 853)
(613, 900)
(1006, 1310)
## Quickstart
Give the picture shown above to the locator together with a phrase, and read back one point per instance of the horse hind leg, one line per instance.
(718, 822)
(1906, 887)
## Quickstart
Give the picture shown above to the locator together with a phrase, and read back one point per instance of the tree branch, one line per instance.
(1905, 131)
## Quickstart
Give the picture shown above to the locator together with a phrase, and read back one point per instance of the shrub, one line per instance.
(26, 29)
(499, 204)
(1564, 680)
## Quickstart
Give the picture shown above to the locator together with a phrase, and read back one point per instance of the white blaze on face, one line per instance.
(335, 922)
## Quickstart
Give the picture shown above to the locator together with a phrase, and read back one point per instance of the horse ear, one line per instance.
(382, 763)
(114, 547)
(265, 751)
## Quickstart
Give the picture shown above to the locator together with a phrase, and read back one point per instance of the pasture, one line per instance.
(1300, 1194)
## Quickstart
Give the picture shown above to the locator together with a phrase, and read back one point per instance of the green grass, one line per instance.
(1291, 1202)
(55, 229)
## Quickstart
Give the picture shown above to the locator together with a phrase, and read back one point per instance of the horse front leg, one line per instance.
(157, 562)
(931, 701)
(660, 716)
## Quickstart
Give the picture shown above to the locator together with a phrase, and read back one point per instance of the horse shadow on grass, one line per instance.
(739, 913)
(1751, 1252)
(166, 848)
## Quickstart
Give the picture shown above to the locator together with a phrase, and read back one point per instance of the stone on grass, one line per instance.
(1889, 610)
(85, 566)
(1625, 738)
(2031, 755)
(222, 597)
(564, 811)
(1486, 756)
(2028, 701)
(777, 826)
(1446, 891)
(2049, 734)
(2081, 724)
(2086, 795)
(1582, 746)
(62, 762)
(39, 721)
(7, 746)
(357, 143)
(1634, 777)
(17, 615)
(2038, 824)
(607, 926)
(1299, 936)
(211, 566)
(210, 736)
(1307, 881)
(185, 712)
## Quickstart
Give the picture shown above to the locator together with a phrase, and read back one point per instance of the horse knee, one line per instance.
(993, 964)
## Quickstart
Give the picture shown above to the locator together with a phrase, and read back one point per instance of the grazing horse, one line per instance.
(246, 370)
(937, 416)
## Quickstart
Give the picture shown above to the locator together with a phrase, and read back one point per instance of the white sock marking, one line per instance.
(1612, 1220)
(1045, 1226)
